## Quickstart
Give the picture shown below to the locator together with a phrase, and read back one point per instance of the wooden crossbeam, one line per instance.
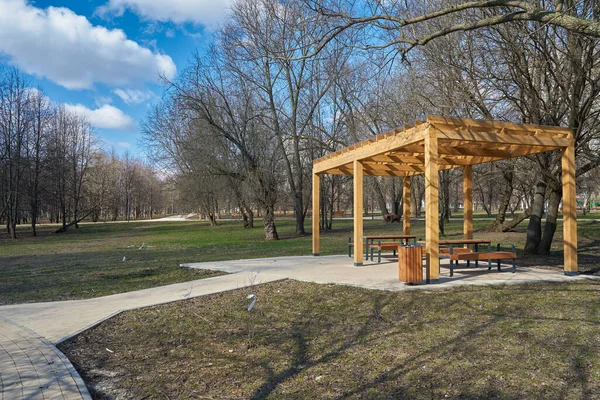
(370, 149)
(469, 135)
(505, 127)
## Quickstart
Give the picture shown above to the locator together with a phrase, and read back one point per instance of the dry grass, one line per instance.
(310, 341)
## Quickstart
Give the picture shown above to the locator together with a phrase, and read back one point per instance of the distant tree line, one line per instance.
(52, 169)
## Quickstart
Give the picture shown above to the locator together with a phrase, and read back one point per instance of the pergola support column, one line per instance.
(468, 202)
(406, 206)
(569, 210)
(358, 213)
(316, 197)
(432, 229)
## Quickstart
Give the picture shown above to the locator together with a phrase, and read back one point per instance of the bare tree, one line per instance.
(407, 25)
(14, 128)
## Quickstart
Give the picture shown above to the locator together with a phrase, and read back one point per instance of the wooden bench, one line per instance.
(484, 255)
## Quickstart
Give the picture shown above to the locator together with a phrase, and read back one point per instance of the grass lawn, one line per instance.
(88, 262)
(310, 341)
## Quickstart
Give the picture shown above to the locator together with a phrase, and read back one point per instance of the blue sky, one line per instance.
(103, 58)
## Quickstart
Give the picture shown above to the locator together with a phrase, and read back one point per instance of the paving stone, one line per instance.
(32, 368)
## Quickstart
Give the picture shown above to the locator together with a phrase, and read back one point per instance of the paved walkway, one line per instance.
(31, 367)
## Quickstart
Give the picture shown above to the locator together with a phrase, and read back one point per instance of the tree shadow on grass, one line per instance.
(389, 384)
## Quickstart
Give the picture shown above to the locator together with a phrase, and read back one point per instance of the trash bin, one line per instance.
(410, 263)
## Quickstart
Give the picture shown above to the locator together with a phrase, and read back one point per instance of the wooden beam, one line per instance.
(316, 233)
(569, 210)
(370, 149)
(468, 202)
(499, 125)
(398, 159)
(469, 135)
(473, 149)
(432, 232)
(358, 213)
(406, 206)
(393, 167)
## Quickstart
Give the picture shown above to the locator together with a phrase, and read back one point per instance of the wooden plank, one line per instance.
(468, 135)
(446, 250)
(494, 255)
(500, 125)
(464, 241)
(381, 237)
(408, 159)
(569, 210)
(372, 149)
(432, 234)
(316, 186)
(393, 167)
(358, 211)
(406, 206)
(473, 150)
(468, 202)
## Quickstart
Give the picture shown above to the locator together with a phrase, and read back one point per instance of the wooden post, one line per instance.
(316, 233)
(432, 229)
(406, 206)
(358, 213)
(468, 201)
(569, 210)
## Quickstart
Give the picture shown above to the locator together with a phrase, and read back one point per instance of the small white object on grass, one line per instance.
(109, 350)
(251, 306)
(142, 246)
(124, 258)
(250, 296)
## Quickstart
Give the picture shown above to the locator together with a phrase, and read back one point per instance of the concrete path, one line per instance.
(384, 275)
(32, 368)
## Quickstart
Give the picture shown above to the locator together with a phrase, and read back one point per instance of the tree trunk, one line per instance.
(534, 229)
(269, 221)
(506, 196)
(550, 224)
(299, 211)
(380, 199)
(250, 218)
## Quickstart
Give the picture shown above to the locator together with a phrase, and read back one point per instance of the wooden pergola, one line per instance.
(442, 143)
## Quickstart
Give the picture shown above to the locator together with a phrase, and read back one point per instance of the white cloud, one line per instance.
(102, 100)
(131, 96)
(107, 116)
(124, 145)
(65, 47)
(205, 12)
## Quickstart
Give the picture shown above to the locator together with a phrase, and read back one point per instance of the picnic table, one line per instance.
(468, 242)
(456, 254)
(475, 242)
(376, 242)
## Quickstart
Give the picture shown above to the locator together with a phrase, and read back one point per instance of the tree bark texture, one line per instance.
(534, 228)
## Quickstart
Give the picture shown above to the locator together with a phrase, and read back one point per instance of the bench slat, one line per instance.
(494, 255)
